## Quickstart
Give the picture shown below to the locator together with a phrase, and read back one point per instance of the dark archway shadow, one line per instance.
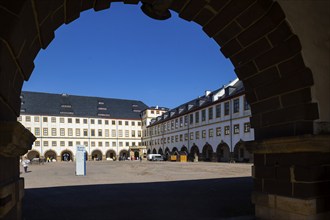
(223, 198)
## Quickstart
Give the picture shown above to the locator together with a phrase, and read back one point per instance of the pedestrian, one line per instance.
(25, 164)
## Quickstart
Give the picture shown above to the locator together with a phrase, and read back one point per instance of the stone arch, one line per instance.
(207, 152)
(67, 155)
(51, 154)
(160, 151)
(265, 52)
(110, 155)
(149, 151)
(240, 152)
(123, 154)
(33, 154)
(194, 153)
(184, 150)
(96, 155)
(175, 151)
(154, 151)
(223, 152)
(286, 97)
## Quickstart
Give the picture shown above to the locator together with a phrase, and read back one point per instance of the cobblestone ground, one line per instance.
(138, 190)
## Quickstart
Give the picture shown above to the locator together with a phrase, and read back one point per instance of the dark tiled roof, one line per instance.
(199, 102)
(37, 103)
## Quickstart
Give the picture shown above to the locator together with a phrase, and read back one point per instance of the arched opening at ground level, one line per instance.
(154, 151)
(194, 153)
(160, 151)
(223, 152)
(33, 154)
(257, 36)
(67, 155)
(96, 155)
(207, 153)
(123, 155)
(111, 155)
(241, 154)
(50, 156)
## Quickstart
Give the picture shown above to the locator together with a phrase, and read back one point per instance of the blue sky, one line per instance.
(122, 53)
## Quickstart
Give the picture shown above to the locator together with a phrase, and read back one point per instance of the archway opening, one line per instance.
(111, 155)
(67, 156)
(223, 152)
(96, 155)
(207, 153)
(50, 156)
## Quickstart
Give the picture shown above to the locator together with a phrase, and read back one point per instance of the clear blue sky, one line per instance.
(122, 53)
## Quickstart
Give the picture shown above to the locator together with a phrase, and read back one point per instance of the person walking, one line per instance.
(25, 164)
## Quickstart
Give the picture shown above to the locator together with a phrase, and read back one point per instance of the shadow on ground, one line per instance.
(225, 198)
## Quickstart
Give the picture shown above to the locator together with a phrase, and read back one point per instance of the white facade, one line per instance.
(209, 132)
(103, 138)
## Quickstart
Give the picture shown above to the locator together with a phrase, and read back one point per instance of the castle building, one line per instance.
(213, 127)
(107, 127)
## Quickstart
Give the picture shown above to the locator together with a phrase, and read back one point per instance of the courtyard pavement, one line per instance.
(125, 190)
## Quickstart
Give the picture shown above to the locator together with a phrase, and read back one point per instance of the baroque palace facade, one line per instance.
(212, 127)
(108, 128)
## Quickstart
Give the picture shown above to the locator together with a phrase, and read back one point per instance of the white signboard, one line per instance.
(81, 161)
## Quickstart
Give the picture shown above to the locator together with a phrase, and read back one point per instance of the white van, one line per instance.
(153, 157)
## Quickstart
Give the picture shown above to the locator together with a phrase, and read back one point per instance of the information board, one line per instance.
(81, 161)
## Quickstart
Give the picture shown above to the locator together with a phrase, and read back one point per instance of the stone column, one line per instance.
(15, 141)
(292, 177)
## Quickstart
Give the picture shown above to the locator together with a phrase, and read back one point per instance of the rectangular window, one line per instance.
(70, 131)
(70, 144)
(186, 136)
(45, 131)
(191, 135)
(45, 143)
(236, 105)
(62, 143)
(77, 121)
(113, 133)
(185, 120)
(92, 121)
(181, 137)
(139, 133)
(197, 134)
(106, 132)
(99, 121)
(210, 113)
(121, 144)
(100, 132)
(227, 130)
(28, 118)
(203, 115)
(218, 111)
(70, 120)
(85, 121)
(227, 108)
(133, 133)
(61, 120)
(176, 138)
(211, 132)
(113, 122)
(204, 134)
(120, 122)
(133, 123)
(196, 117)
(246, 104)
(120, 133)
(54, 144)
(93, 132)
(106, 122)
(176, 123)
(191, 118)
(85, 132)
(86, 143)
(53, 119)
(126, 123)
(114, 144)
(218, 131)
(236, 129)
(37, 143)
(36, 118)
(77, 131)
(45, 119)
(77, 142)
(92, 143)
(127, 133)
(172, 139)
(247, 127)
(62, 131)
(100, 144)
(37, 131)
(53, 132)
(139, 123)
(107, 144)
(127, 144)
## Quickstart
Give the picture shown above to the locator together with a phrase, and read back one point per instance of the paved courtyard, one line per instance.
(138, 190)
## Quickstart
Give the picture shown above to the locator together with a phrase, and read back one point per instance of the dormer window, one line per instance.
(66, 106)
